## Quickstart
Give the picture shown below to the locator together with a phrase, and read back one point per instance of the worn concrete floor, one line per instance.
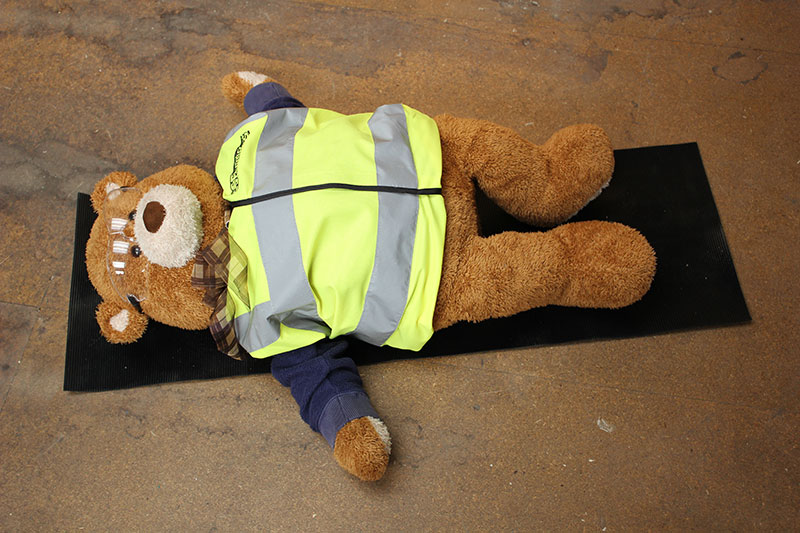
(705, 422)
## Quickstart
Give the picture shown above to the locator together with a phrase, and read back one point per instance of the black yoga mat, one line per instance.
(662, 191)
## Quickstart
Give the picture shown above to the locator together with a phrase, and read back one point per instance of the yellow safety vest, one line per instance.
(342, 222)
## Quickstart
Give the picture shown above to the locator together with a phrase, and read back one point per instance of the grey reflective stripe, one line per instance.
(251, 118)
(387, 292)
(252, 338)
(291, 300)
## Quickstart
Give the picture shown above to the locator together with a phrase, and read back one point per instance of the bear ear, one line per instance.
(115, 180)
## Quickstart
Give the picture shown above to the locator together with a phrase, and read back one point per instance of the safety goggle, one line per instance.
(127, 267)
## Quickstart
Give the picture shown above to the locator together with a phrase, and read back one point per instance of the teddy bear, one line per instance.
(318, 227)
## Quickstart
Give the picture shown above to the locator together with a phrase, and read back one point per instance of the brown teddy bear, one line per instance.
(321, 225)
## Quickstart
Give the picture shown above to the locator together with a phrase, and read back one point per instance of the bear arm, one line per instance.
(120, 325)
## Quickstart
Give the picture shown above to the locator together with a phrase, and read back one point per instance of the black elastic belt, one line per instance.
(347, 186)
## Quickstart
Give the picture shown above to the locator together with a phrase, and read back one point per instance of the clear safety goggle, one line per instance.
(127, 267)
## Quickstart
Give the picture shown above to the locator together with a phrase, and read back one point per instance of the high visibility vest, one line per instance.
(342, 222)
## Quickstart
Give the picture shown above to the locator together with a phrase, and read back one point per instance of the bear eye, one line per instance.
(132, 215)
(136, 251)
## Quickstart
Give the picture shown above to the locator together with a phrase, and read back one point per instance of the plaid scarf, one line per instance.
(219, 268)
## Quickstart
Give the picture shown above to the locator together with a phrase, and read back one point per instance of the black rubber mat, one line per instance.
(662, 191)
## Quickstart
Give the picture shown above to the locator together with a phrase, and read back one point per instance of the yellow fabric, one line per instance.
(244, 140)
(426, 148)
(338, 228)
(241, 227)
(242, 230)
(416, 325)
(290, 339)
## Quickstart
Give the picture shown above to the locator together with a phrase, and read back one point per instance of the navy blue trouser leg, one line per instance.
(325, 384)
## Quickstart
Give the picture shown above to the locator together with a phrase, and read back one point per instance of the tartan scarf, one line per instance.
(219, 268)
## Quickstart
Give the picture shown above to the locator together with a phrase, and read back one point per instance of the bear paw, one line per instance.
(253, 78)
(362, 448)
(120, 325)
(236, 84)
(581, 162)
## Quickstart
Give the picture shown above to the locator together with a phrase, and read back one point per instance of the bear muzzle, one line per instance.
(168, 226)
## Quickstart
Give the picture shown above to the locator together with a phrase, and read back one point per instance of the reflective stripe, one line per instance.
(397, 225)
(325, 261)
(416, 326)
(291, 300)
(253, 338)
(236, 128)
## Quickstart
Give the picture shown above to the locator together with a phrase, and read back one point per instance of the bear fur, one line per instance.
(586, 264)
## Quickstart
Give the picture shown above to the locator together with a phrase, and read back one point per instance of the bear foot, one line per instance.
(362, 448)
(609, 265)
(581, 162)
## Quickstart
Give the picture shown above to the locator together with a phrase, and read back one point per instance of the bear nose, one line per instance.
(153, 216)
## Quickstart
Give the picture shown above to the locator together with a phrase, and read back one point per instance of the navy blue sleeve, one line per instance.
(315, 374)
(268, 96)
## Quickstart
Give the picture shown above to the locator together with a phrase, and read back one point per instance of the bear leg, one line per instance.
(498, 276)
(539, 185)
(582, 264)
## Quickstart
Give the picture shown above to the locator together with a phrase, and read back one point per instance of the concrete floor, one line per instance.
(706, 422)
